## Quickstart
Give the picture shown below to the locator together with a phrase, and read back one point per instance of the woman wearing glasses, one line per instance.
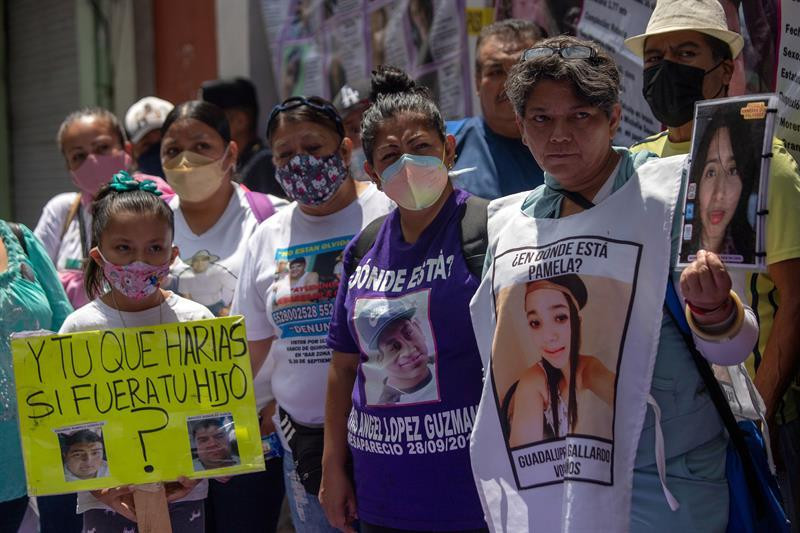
(214, 218)
(288, 283)
(405, 378)
(610, 217)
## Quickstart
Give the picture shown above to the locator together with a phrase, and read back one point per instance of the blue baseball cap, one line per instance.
(377, 314)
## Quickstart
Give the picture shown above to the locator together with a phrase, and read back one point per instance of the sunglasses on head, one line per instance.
(298, 101)
(577, 51)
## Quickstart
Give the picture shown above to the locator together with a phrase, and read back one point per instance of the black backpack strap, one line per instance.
(17, 231)
(364, 242)
(474, 235)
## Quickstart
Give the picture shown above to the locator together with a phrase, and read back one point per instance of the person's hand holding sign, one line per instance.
(120, 499)
(706, 287)
(178, 489)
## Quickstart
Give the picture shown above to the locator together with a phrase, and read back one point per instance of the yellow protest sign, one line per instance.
(136, 405)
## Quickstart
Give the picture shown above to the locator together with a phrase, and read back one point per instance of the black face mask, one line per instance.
(150, 161)
(671, 90)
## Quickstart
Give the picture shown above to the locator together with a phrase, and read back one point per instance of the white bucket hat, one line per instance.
(704, 16)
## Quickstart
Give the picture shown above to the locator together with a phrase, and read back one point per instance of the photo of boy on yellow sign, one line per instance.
(83, 453)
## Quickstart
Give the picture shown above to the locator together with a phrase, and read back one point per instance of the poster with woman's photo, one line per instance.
(725, 206)
(396, 336)
(561, 326)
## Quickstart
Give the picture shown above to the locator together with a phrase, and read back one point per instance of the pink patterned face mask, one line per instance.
(98, 170)
(136, 280)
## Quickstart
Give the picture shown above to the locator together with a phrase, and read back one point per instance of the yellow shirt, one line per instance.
(783, 243)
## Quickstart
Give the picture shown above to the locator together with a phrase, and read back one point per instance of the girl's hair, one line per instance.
(554, 375)
(393, 93)
(96, 112)
(206, 112)
(305, 109)
(747, 166)
(108, 203)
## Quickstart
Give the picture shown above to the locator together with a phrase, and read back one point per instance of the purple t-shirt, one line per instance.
(405, 310)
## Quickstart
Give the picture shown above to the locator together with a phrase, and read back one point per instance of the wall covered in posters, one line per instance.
(318, 45)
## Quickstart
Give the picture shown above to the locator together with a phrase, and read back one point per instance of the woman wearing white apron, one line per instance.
(575, 284)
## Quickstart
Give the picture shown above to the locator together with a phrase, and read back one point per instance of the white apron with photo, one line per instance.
(608, 266)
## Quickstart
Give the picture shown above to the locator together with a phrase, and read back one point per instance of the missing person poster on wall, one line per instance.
(320, 45)
(725, 203)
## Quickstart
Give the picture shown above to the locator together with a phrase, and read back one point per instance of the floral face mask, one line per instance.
(312, 180)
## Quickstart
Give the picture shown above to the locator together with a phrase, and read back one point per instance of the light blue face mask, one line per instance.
(357, 159)
(409, 159)
(415, 182)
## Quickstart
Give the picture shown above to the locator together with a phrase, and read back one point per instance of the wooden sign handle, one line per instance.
(152, 513)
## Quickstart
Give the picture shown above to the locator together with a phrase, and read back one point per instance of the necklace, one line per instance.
(119, 312)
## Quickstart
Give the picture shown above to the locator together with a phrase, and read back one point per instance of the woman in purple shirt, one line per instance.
(405, 379)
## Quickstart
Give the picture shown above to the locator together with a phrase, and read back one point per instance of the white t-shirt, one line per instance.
(209, 264)
(97, 315)
(299, 322)
(65, 252)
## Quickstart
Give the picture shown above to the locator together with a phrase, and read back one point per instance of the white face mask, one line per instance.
(357, 165)
(194, 177)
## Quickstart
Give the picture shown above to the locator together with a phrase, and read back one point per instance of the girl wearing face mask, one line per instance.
(214, 218)
(131, 238)
(407, 295)
(94, 148)
(289, 279)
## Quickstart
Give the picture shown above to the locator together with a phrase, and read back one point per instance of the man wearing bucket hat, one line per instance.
(388, 328)
(688, 54)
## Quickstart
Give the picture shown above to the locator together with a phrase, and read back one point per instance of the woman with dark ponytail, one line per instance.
(404, 348)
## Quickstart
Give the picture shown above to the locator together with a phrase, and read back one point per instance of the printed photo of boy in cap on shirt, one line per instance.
(402, 365)
(205, 281)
